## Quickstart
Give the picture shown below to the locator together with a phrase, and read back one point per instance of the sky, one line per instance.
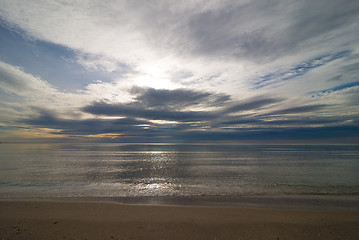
(179, 71)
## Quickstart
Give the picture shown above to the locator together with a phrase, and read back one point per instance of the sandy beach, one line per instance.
(25, 219)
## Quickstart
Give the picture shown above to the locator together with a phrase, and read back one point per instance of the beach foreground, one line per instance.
(107, 220)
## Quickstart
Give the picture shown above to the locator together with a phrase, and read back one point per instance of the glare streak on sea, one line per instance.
(176, 170)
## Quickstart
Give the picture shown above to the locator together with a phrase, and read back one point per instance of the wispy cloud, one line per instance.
(252, 104)
(299, 70)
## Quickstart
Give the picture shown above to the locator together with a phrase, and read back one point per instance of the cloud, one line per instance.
(120, 129)
(62, 67)
(177, 98)
(13, 80)
(167, 105)
(352, 68)
(191, 35)
(252, 104)
(298, 109)
(85, 27)
(130, 129)
(105, 109)
(222, 69)
(248, 122)
(22, 91)
(250, 29)
(171, 105)
(297, 134)
(16, 85)
(298, 70)
(98, 63)
(48, 119)
(156, 104)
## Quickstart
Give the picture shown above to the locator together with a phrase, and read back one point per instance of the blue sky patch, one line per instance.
(334, 89)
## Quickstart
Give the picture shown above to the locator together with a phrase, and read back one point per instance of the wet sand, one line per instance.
(29, 219)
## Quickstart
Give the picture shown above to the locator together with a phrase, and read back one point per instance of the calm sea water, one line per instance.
(123, 170)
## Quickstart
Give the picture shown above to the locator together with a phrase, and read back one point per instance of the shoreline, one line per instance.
(290, 202)
(66, 219)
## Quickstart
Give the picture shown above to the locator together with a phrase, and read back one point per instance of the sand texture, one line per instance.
(106, 220)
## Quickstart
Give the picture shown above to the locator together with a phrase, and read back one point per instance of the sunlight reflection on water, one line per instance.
(161, 170)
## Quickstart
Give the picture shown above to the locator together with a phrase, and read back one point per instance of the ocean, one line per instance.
(112, 170)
